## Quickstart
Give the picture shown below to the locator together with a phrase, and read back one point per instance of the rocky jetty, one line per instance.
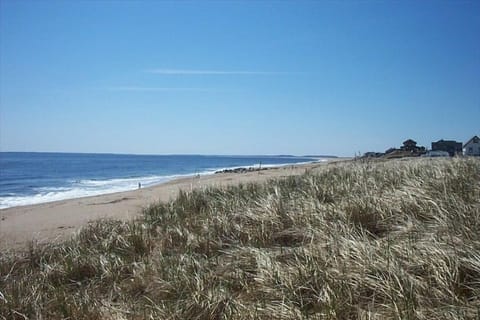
(240, 170)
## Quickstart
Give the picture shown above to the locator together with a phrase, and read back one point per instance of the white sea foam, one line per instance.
(84, 188)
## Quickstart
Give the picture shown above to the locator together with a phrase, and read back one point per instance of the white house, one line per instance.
(472, 147)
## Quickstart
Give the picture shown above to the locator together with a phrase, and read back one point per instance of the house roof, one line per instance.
(409, 141)
(470, 140)
(446, 141)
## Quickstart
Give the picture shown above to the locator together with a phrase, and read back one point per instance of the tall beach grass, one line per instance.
(358, 240)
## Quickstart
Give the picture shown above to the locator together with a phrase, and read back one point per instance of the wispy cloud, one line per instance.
(211, 72)
(156, 89)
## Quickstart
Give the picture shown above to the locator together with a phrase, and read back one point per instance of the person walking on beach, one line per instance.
(139, 185)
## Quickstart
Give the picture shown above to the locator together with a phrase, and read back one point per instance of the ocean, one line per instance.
(31, 178)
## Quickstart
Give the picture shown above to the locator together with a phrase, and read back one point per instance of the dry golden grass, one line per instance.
(370, 240)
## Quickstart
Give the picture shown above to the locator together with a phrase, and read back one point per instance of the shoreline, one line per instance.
(161, 179)
(55, 221)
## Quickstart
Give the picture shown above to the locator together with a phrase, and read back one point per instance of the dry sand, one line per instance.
(57, 220)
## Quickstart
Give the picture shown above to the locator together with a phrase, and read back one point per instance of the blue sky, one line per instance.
(287, 77)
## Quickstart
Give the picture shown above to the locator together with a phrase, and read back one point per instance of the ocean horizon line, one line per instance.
(179, 154)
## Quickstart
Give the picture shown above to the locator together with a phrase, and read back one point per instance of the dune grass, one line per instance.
(362, 240)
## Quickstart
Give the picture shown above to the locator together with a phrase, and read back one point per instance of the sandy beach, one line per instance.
(54, 221)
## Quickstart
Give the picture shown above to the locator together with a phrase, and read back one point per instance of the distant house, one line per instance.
(472, 147)
(450, 146)
(411, 146)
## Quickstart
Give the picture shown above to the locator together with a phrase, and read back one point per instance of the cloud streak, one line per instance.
(156, 89)
(211, 72)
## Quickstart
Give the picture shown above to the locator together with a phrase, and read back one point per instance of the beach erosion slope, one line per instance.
(54, 221)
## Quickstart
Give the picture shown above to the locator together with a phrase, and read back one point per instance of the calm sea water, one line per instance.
(30, 178)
